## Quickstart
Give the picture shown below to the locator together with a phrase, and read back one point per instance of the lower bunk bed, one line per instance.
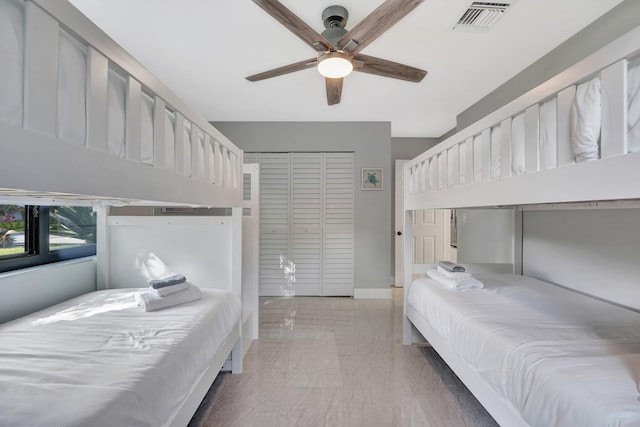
(100, 360)
(534, 353)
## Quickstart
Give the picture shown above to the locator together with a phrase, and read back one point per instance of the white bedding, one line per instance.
(99, 360)
(586, 121)
(561, 358)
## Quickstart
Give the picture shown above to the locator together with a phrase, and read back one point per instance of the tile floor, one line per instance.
(338, 362)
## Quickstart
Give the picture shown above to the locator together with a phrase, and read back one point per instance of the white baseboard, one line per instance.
(372, 293)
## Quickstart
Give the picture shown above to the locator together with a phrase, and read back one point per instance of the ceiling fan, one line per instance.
(339, 49)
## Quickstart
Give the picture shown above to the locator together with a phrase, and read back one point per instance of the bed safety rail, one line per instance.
(79, 116)
(575, 137)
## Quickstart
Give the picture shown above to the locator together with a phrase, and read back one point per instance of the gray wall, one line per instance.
(371, 143)
(620, 20)
(593, 250)
(485, 235)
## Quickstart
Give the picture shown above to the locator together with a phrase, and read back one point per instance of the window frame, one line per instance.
(37, 251)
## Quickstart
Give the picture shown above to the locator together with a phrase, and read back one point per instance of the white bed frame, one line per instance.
(434, 177)
(207, 250)
(197, 167)
(434, 182)
(85, 170)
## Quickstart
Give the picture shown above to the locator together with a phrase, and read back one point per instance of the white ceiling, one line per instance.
(204, 49)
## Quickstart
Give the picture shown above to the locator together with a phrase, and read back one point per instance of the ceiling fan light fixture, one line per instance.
(335, 64)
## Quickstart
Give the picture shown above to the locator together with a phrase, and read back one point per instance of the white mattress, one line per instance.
(561, 358)
(99, 360)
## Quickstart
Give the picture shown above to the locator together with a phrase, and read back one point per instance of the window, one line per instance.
(35, 235)
(12, 230)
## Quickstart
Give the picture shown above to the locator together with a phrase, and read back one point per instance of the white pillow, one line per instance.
(586, 119)
(633, 111)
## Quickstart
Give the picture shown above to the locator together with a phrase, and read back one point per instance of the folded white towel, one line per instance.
(150, 301)
(452, 274)
(168, 290)
(457, 284)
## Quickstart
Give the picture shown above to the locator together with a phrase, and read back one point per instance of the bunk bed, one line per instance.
(551, 339)
(83, 123)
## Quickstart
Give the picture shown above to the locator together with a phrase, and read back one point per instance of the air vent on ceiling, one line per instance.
(481, 16)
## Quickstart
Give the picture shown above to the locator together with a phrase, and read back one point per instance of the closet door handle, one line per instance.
(399, 233)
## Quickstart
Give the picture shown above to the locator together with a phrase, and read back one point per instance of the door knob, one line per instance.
(399, 233)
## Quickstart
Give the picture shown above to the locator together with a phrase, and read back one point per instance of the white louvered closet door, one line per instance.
(274, 222)
(307, 217)
(338, 227)
(306, 224)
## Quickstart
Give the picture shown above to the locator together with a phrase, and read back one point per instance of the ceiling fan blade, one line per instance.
(291, 68)
(296, 25)
(376, 23)
(334, 90)
(382, 67)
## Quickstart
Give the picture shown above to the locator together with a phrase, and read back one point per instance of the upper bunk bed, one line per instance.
(574, 138)
(79, 110)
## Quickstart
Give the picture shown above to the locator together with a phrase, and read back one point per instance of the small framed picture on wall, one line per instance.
(371, 179)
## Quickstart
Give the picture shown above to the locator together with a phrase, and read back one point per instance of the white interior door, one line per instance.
(430, 236)
(399, 225)
(431, 231)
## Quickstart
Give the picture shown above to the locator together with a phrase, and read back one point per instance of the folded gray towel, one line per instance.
(451, 267)
(167, 281)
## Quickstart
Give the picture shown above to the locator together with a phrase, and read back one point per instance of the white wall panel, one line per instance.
(12, 65)
(134, 105)
(179, 144)
(505, 154)
(41, 71)
(614, 110)
(532, 136)
(97, 78)
(183, 244)
(453, 163)
(592, 250)
(72, 91)
(159, 116)
(486, 155)
(116, 114)
(146, 129)
(565, 151)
